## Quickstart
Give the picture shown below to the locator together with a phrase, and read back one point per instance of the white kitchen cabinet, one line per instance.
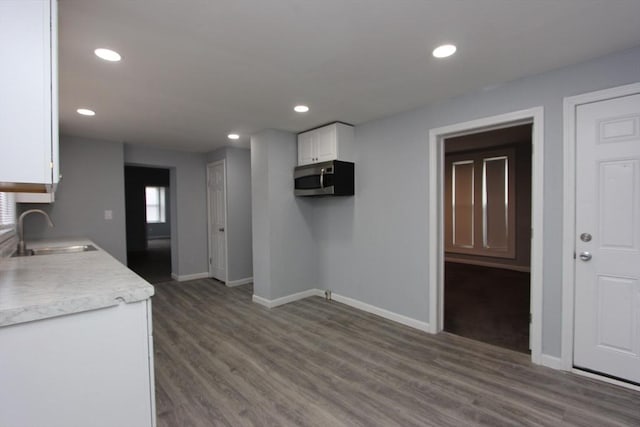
(93, 368)
(28, 95)
(326, 143)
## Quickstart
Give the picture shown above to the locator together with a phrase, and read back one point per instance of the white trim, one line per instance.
(232, 283)
(552, 362)
(436, 239)
(225, 279)
(390, 315)
(569, 208)
(605, 379)
(186, 277)
(395, 317)
(287, 299)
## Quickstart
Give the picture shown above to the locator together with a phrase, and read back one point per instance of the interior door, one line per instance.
(607, 266)
(216, 189)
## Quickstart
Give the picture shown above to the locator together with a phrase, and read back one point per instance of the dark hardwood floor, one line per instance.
(491, 305)
(153, 264)
(222, 360)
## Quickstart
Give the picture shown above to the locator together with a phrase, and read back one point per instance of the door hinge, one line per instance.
(50, 165)
(210, 261)
(530, 318)
(574, 255)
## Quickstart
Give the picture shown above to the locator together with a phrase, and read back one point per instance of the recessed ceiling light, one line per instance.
(233, 136)
(444, 51)
(108, 54)
(86, 112)
(301, 108)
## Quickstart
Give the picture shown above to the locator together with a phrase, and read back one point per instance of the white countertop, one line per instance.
(43, 286)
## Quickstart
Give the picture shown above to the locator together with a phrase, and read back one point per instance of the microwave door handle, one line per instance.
(322, 178)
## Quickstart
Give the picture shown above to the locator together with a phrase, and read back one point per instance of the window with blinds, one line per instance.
(7, 216)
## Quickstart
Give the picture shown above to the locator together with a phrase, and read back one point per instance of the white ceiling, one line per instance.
(195, 70)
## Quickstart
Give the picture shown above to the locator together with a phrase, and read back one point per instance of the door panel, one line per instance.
(607, 290)
(619, 190)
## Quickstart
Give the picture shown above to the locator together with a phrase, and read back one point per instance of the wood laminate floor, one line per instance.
(222, 360)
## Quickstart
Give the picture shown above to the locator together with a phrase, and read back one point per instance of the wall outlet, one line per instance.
(108, 215)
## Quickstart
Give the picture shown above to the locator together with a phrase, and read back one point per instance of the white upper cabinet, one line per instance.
(28, 95)
(306, 148)
(331, 142)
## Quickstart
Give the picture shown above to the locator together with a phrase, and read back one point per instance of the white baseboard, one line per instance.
(552, 362)
(232, 283)
(390, 315)
(186, 277)
(287, 299)
(408, 321)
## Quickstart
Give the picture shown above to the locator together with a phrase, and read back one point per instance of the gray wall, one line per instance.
(92, 182)
(239, 237)
(284, 249)
(384, 261)
(374, 246)
(189, 253)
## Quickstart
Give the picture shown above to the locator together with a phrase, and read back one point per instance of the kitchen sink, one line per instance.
(58, 250)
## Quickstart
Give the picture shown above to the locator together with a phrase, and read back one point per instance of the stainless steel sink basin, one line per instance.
(59, 250)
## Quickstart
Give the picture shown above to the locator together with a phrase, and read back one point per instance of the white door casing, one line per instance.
(217, 219)
(607, 265)
(436, 214)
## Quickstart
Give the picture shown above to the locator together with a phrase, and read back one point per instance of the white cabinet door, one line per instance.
(28, 90)
(326, 143)
(607, 291)
(93, 368)
(306, 148)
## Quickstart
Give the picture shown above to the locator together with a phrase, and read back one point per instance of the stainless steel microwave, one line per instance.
(333, 178)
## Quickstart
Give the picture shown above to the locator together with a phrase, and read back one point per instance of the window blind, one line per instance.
(7, 211)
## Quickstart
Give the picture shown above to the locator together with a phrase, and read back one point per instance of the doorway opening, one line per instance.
(437, 136)
(148, 217)
(487, 236)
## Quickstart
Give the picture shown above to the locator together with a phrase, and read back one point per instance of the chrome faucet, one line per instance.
(22, 247)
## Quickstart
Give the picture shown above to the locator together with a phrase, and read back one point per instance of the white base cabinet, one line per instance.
(331, 142)
(93, 368)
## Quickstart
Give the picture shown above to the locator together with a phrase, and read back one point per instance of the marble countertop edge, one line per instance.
(71, 283)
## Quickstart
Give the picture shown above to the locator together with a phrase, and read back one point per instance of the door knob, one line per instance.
(221, 229)
(585, 256)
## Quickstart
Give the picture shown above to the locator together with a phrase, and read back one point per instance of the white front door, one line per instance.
(607, 266)
(216, 189)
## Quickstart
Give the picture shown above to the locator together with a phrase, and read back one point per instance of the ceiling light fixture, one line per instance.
(86, 112)
(233, 136)
(301, 108)
(444, 51)
(107, 54)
